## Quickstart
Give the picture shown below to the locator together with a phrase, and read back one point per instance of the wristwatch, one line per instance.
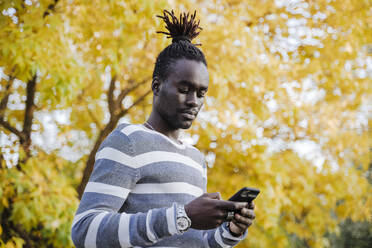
(183, 221)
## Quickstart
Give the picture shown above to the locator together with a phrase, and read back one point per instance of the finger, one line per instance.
(251, 205)
(237, 227)
(242, 226)
(240, 205)
(215, 195)
(226, 205)
(231, 206)
(248, 213)
(242, 220)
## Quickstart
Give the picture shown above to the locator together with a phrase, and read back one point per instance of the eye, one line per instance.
(202, 93)
(183, 90)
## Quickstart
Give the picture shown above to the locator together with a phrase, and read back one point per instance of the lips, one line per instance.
(189, 114)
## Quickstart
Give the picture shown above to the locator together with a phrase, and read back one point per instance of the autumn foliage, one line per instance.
(288, 108)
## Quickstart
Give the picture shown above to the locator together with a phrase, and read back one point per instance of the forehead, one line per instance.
(190, 71)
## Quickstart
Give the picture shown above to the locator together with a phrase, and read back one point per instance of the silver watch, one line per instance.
(183, 221)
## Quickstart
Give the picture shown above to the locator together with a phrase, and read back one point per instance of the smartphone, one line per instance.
(245, 194)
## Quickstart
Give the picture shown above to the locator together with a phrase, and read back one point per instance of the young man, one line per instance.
(148, 189)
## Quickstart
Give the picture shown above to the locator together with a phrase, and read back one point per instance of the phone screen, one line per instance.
(245, 194)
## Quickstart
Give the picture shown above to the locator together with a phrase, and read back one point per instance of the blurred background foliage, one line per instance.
(288, 110)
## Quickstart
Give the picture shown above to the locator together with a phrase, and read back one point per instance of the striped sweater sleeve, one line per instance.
(97, 222)
(220, 237)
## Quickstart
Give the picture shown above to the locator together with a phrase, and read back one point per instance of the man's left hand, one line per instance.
(242, 220)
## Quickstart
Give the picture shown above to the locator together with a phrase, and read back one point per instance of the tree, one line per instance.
(35, 207)
(112, 46)
(44, 59)
(356, 234)
(284, 75)
(271, 113)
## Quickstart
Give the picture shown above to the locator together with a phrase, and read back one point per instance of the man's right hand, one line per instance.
(209, 211)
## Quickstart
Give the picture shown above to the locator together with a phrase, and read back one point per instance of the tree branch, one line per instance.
(30, 106)
(12, 129)
(126, 91)
(4, 101)
(51, 7)
(140, 99)
(110, 96)
(114, 118)
(29, 115)
(3, 105)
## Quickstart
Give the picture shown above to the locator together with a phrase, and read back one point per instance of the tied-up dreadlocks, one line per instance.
(182, 30)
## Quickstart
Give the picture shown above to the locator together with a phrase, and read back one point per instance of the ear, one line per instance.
(155, 86)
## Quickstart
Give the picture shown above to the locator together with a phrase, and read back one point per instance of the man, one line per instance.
(148, 189)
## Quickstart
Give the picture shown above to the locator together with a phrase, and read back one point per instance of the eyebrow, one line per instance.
(191, 84)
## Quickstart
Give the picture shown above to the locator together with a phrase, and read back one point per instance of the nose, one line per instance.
(192, 99)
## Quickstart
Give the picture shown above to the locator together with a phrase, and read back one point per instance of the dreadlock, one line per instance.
(182, 31)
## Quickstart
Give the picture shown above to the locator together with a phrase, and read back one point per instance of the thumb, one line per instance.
(240, 205)
(215, 195)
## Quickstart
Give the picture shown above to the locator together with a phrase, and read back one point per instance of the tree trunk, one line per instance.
(91, 159)
(116, 112)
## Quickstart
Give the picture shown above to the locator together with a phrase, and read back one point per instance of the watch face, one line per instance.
(182, 223)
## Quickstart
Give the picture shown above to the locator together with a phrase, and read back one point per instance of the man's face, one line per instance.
(181, 95)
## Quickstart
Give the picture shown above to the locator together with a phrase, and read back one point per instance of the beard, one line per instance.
(176, 121)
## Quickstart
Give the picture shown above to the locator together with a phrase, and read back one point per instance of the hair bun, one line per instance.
(182, 28)
(179, 38)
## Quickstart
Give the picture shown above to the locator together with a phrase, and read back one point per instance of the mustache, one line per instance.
(190, 111)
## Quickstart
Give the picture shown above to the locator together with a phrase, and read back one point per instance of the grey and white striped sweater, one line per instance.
(139, 178)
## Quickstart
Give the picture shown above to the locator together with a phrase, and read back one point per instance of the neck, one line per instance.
(162, 126)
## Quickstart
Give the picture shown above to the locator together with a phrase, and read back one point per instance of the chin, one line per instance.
(185, 124)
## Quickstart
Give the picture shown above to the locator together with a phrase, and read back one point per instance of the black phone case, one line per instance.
(245, 194)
